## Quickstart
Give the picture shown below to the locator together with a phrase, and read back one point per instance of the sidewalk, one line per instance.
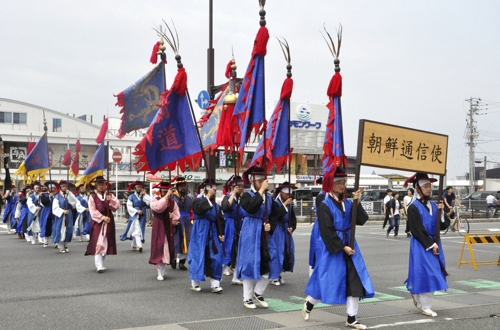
(449, 307)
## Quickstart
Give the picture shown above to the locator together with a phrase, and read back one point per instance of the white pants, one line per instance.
(99, 261)
(235, 277)
(213, 283)
(352, 304)
(161, 269)
(255, 286)
(181, 256)
(425, 299)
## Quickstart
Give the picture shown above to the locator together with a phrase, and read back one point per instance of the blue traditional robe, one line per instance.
(205, 242)
(253, 252)
(45, 217)
(10, 210)
(138, 203)
(283, 241)
(182, 232)
(328, 282)
(232, 219)
(315, 231)
(22, 223)
(82, 221)
(33, 214)
(424, 271)
(62, 226)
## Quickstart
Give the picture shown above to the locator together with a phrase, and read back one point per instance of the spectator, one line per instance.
(387, 198)
(407, 200)
(491, 201)
(124, 206)
(394, 206)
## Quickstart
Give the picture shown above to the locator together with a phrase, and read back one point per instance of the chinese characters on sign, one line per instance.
(403, 148)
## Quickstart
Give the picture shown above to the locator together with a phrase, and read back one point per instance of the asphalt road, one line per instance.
(44, 289)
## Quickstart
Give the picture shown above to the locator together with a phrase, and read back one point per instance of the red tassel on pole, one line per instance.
(67, 158)
(154, 53)
(102, 133)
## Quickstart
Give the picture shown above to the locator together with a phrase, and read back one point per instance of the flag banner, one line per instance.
(75, 164)
(333, 148)
(67, 158)
(171, 138)
(140, 101)
(102, 132)
(249, 109)
(210, 128)
(36, 162)
(96, 166)
(277, 145)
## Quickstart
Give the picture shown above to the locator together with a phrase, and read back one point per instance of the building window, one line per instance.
(57, 125)
(19, 118)
(5, 117)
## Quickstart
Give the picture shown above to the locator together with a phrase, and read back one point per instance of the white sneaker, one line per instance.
(429, 312)
(226, 273)
(249, 304)
(260, 300)
(355, 325)
(160, 278)
(217, 289)
(275, 282)
(196, 288)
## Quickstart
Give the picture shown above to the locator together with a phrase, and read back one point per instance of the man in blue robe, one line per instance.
(82, 226)
(283, 224)
(46, 213)
(205, 248)
(21, 214)
(34, 207)
(315, 229)
(253, 265)
(10, 208)
(340, 275)
(137, 206)
(182, 231)
(62, 209)
(426, 270)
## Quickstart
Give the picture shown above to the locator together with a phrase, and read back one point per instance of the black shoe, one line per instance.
(173, 264)
(182, 264)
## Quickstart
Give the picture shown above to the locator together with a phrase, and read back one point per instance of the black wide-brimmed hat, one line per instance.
(206, 182)
(134, 184)
(331, 176)
(98, 179)
(256, 172)
(178, 180)
(417, 177)
(234, 180)
(36, 183)
(48, 184)
(163, 185)
(286, 187)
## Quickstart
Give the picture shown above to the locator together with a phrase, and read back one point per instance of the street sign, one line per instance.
(203, 99)
(117, 156)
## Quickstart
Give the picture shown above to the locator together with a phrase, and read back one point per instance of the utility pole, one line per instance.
(484, 174)
(472, 134)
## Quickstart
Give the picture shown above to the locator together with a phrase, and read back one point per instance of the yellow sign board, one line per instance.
(402, 148)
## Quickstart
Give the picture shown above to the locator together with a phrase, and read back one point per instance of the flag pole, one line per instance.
(67, 174)
(46, 130)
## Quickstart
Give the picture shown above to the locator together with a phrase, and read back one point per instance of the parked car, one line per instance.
(477, 200)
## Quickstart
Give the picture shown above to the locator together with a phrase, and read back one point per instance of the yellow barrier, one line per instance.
(479, 238)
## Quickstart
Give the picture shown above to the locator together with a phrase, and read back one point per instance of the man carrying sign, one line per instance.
(426, 270)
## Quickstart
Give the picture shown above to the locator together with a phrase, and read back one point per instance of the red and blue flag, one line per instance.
(36, 164)
(140, 101)
(250, 106)
(171, 138)
(277, 133)
(333, 148)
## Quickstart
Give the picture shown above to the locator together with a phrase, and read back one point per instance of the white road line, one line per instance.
(397, 324)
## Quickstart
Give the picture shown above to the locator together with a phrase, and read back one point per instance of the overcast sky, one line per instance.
(409, 63)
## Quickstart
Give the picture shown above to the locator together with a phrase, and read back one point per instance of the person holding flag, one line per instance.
(34, 207)
(137, 205)
(46, 200)
(426, 268)
(166, 215)
(102, 230)
(205, 248)
(21, 214)
(62, 209)
(182, 232)
(230, 206)
(283, 224)
(82, 218)
(340, 275)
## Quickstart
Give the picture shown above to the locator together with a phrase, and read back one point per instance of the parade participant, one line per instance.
(283, 224)
(166, 215)
(34, 207)
(340, 275)
(124, 206)
(137, 205)
(102, 229)
(46, 199)
(182, 232)
(62, 210)
(315, 229)
(253, 266)
(426, 270)
(22, 211)
(230, 205)
(8, 219)
(82, 218)
(205, 247)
